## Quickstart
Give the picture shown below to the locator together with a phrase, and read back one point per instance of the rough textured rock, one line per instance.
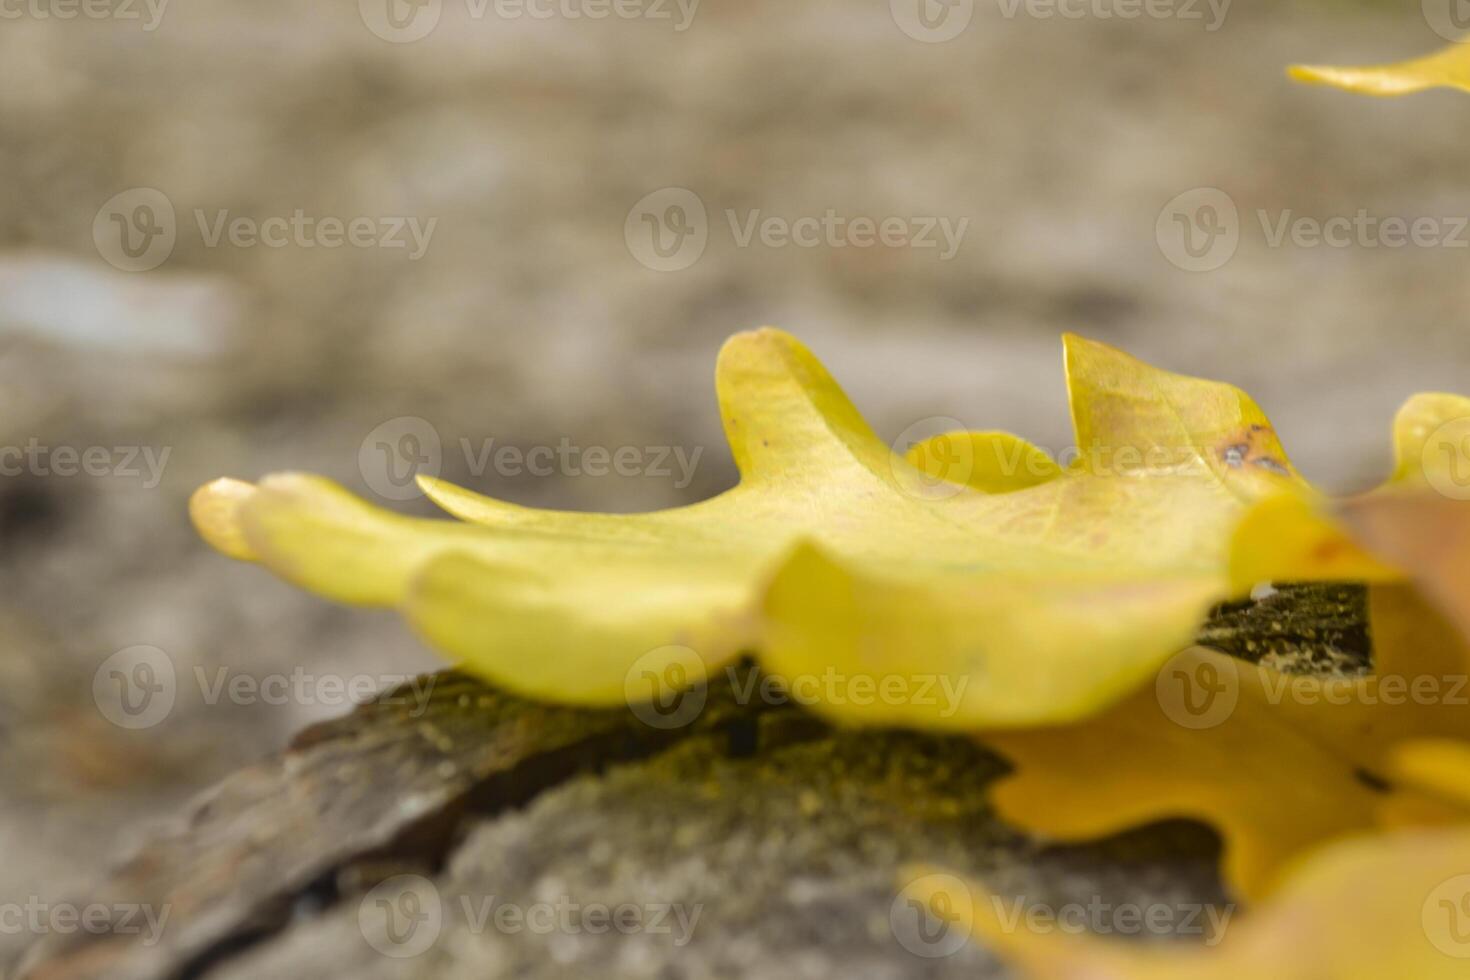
(515, 840)
(1296, 628)
(395, 777)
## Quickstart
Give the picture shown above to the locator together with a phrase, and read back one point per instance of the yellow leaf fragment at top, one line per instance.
(1449, 67)
(916, 596)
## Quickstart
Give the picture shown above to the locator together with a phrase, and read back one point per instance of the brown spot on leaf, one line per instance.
(1254, 446)
(1373, 781)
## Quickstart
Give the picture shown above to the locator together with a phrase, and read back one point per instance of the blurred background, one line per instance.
(238, 238)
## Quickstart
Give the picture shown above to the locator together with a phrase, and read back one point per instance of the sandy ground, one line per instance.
(529, 318)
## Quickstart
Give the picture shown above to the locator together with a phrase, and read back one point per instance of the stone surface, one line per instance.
(488, 837)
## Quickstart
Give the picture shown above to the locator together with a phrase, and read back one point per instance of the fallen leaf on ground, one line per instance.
(903, 593)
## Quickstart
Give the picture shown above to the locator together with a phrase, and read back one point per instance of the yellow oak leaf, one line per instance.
(901, 594)
(1447, 68)
(1279, 764)
(1396, 905)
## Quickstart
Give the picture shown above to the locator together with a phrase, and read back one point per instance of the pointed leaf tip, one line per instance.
(785, 417)
(1448, 68)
